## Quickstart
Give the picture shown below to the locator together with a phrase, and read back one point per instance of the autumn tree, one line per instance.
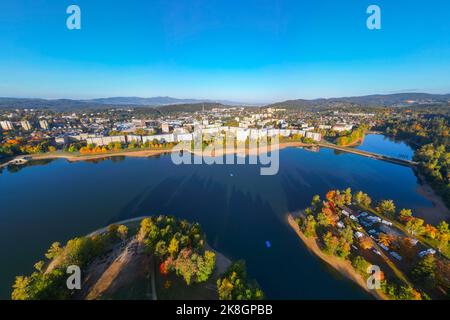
(331, 243)
(347, 234)
(234, 285)
(161, 249)
(173, 247)
(54, 251)
(431, 232)
(348, 196)
(309, 226)
(122, 231)
(415, 226)
(407, 248)
(405, 215)
(327, 217)
(365, 243)
(386, 239)
(343, 249)
(386, 207)
(205, 265)
(362, 198)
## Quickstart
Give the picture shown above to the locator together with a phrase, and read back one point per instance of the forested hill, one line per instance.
(389, 100)
(172, 104)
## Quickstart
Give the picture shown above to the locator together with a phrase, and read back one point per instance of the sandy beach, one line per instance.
(439, 211)
(154, 152)
(344, 267)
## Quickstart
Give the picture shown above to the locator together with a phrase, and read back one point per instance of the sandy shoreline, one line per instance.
(439, 211)
(344, 267)
(150, 153)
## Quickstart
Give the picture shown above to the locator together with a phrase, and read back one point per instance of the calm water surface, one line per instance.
(238, 209)
(384, 145)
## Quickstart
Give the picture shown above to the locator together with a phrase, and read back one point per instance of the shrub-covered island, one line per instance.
(144, 258)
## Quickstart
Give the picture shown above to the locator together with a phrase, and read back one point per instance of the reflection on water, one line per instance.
(384, 145)
(239, 210)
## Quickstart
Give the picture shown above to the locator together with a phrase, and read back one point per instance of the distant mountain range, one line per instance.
(156, 101)
(379, 100)
(376, 100)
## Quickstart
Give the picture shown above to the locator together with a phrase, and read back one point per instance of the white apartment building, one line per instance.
(26, 125)
(104, 141)
(134, 138)
(339, 127)
(314, 135)
(242, 134)
(180, 137)
(6, 125)
(161, 138)
(44, 124)
(165, 127)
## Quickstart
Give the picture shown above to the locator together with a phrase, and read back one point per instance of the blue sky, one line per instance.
(245, 50)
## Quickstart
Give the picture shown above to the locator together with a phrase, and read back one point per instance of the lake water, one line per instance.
(384, 145)
(238, 209)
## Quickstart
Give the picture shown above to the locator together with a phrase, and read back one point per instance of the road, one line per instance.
(367, 154)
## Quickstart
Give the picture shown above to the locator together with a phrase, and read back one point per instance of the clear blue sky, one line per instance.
(246, 50)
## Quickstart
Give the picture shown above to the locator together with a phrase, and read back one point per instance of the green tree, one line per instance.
(161, 249)
(234, 285)
(405, 214)
(348, 196)
(331, 243)
(347, 234)
(173, 247)
(21, 288)
(122, 231)
(310, 226)
(443, 227)
(148, 232)
(361, 265)
(54, 251)
(424, 272)
(186, 265)
(415, 227)
(316, 203)
(386, 207)
(362, 198)
(205, 266)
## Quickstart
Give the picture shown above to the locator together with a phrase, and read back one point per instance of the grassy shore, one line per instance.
(342, 266)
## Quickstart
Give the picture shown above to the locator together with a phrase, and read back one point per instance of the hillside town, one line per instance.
(138, 126)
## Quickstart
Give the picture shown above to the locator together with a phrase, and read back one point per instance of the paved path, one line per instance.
(367, 154)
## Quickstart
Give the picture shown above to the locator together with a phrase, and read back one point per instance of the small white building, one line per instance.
(134, 138)
(242, 134)
(359, 234)
(180, 137)
(396, 255)
(161, 138)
